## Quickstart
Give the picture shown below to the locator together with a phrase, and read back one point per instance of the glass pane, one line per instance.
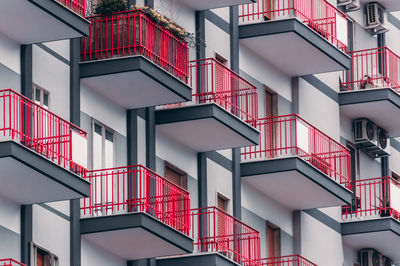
(37, 95)
(46, 99)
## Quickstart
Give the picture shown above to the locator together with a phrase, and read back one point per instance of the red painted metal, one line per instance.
(10, 262)
(213, 82)
(290, 135)
(78, 6)
(372, 68)
(213, 230)
(293, 260)
(319, 15)
(133, 33)
(374, 198)
(137, 189)
(39, 129)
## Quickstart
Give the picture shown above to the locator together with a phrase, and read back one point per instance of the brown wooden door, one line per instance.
(40, 259)
(267, 9)
(222, 230)
(273, 241)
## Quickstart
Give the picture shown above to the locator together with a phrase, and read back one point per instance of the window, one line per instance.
(41, 96)
(42, 257)
(222, 202)
(103, 158)
(103, 147)
(221, 59)
(175, 175)
(273, 240)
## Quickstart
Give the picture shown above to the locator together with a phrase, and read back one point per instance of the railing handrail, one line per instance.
(308, 124)
(80, 131)
(252, 86)
(198, 210)
(10, 260)
(137, 166)
(372, 49)
(142, 13)
(297, 256)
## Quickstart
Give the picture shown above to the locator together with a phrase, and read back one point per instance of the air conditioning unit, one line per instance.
(386, 261)
(383, 143)
(370, 257)
(365, 134)
(375, 19)
(351, 5)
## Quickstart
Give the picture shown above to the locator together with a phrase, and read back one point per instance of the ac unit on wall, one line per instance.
(370, 257)
(383, 145)
(365, 133)
(351, 5)
(368, 137)
(375, 19)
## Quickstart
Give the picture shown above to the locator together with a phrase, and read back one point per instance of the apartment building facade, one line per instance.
(231, 133)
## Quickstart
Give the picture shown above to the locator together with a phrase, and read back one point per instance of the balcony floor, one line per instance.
(36, 21)
(292, 47)
(29, 178)
(381, 234)
(133, 82)
(135, 236)
(201, 259)
(307, 186)
(205, 127)
(381, 106)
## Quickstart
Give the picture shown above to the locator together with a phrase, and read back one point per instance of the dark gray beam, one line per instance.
(26, 233)
(26, 71)
(150, 138)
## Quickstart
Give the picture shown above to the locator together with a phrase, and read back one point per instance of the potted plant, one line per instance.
(109, 30)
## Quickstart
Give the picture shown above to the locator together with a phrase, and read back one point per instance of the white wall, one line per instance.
(53, 75)
(10, 54)
(52, 232)
(91, 255)
(103, 110)
(10, 215)
(319, 243)
(219, 180)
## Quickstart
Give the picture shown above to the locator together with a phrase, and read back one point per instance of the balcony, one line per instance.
(42, 156)
(373, 219)
(37, 21)
(295, 158)
(372, 88)
(10, 262)
(131, 203)
(293, 260)
(133, 61)
(221, 115)
(303, 36)
(219, 239)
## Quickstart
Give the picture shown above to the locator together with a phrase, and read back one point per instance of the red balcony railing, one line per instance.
(213, 82)
(133, 33)
(78, 6)
(319, 15)
(294, 260)
(374, 198)
(47, 134)
(213, 230)
(290, 135)
(10, 262)
(137, 189)
(372, 68)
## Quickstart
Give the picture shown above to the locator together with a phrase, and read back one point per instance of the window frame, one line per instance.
(54, 260)
(42, 93)
(104, 128)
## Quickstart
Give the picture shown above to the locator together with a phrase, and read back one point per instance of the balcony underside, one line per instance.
(292, 47)
(389, 5)
(382, 106)
(205, 127)
(201, 259)
(135, 236)
(294, 183)
(210, 4)
(133, 82)
(37, 21)
(381, 234)
(28, 178)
